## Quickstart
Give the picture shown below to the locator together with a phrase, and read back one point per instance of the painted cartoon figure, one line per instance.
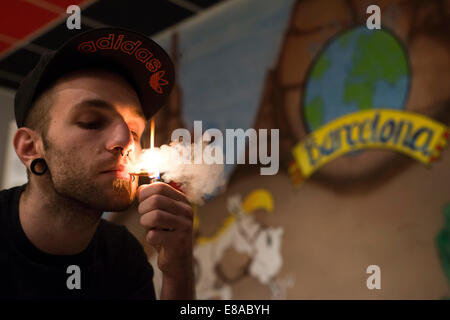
(243, 233)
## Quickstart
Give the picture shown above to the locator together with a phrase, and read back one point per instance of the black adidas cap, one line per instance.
(135, 56)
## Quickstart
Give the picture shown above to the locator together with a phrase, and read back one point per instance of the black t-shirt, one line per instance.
(113, 266)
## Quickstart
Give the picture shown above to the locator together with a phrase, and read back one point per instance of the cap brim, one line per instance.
(141, 59)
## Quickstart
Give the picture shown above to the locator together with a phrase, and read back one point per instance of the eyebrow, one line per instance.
(103, 104)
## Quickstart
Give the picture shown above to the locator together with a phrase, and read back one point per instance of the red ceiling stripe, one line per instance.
(4, 46)
(63, 3)
(21, 19)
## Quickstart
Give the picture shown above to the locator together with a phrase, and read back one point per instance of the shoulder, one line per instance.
(9, 196)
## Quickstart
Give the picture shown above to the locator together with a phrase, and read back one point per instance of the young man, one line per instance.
(81, 113)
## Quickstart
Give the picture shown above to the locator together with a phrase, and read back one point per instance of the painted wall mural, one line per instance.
(244, 234)
(443, 243)
(308, 68)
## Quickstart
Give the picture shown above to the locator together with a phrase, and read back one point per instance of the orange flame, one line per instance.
(152, 145)
(152, 133)
(146, 165)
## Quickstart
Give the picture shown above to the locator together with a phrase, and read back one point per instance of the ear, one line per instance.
(28, 145)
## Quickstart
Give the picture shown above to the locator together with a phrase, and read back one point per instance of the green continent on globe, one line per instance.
(321, 67)
(377, 57)
(314, 112)
(345, 39)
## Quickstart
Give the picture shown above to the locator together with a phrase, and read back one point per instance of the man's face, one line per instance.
(95, 122)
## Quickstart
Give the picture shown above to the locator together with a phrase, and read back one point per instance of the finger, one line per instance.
(161, 220)
(161, 238)
(162, 188)
(161, 202)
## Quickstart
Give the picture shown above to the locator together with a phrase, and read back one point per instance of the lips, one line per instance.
(119, 171)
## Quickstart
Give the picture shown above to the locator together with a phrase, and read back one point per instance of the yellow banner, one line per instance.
(413, 134)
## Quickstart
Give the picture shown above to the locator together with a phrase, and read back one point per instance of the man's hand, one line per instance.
(167, 217)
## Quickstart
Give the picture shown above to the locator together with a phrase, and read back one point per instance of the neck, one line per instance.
(54, 223)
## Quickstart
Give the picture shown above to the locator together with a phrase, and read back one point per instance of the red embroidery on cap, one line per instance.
(130, 47)
(153, 65)
(156, 81)
(87, 47)
(143, 55)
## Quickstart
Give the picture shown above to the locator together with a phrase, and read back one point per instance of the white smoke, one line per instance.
(175, 162)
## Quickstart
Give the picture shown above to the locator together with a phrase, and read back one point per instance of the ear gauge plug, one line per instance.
(38, 166)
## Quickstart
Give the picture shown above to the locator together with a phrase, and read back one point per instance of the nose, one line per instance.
(121, 139)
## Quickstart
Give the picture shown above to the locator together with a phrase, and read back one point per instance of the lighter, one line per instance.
(153, 176)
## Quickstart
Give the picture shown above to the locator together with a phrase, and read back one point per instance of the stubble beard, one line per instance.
(71, 180)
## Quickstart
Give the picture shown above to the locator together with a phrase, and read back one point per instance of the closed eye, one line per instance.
(90, 125)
